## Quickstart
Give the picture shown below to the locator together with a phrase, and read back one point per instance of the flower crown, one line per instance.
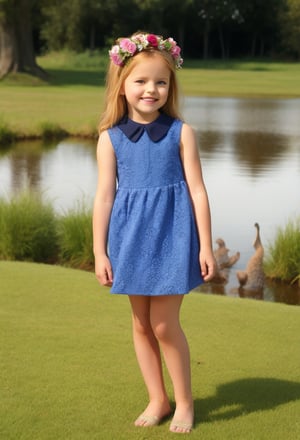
(128, 47)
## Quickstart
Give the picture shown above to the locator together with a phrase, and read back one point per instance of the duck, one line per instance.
(222, 255)
(252, 278)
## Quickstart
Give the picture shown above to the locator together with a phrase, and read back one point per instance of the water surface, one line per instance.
(250, 153)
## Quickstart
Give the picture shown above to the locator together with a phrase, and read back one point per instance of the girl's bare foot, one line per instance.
(153, 414)
(183, 419)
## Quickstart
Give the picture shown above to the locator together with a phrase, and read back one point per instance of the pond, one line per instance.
(250, 153)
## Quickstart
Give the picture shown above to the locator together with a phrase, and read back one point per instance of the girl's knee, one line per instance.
(142, 327)
(162, 331)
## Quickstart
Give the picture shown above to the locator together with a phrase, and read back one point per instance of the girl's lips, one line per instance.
(149, 99)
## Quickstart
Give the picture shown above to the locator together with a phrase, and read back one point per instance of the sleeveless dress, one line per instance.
(153, 242)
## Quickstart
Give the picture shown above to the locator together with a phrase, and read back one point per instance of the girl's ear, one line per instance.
(122, 91)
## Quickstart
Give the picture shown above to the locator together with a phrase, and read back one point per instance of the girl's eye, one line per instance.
(140, 81)
(162, 83)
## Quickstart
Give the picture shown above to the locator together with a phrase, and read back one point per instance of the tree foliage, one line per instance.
(204, 28)
(290, 27)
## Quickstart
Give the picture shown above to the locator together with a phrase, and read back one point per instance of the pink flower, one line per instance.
(128, 46)
(116, 59)
(152, 39)
(175, 51)
(114, 54)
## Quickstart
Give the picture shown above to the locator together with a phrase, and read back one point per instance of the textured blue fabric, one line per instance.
(152, 241)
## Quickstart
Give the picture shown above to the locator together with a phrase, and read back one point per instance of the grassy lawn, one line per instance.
(68, 369)
(73, 97)
(241, 79)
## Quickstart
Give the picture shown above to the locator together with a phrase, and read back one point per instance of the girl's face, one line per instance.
(146, 89)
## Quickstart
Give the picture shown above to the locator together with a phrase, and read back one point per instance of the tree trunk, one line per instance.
(206, 39)
(222, 43)
(16, 43)
(7, 50)
(253, 46)
(92, 37)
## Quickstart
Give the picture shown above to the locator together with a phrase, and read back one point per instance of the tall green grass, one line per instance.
(50, 131)
(28, 229)
(7, 136)
(283, 257)
(76, 238)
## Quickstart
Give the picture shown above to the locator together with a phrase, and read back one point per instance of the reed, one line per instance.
(283, 255)
(7, 136)
(76, 238)
(52, 131)
(28, 229)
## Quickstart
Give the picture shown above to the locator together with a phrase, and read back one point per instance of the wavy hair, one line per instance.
(115, 105)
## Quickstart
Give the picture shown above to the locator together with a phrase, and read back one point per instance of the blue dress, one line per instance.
(153, 242)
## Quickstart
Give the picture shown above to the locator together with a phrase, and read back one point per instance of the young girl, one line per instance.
(151, 212)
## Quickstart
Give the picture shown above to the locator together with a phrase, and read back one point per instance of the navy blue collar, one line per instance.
(156, 130)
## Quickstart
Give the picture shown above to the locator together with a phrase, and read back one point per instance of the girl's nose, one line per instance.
(150, 87)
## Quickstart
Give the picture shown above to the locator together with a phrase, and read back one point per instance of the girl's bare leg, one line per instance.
(164, 318)
(149, 359)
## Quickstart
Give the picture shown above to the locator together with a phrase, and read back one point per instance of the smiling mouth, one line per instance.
(149, 99)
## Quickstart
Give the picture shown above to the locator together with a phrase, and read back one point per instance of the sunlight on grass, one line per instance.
(73, 97)
(68, 368)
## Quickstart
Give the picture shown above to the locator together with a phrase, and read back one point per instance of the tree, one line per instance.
(62, 24)
(290, 27)
(261, 23)
(16, 42)
(216, 15)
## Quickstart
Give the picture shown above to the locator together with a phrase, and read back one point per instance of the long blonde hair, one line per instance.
(115, 106)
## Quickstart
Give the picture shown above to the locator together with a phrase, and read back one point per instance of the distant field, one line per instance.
(73, 97)
(242, 79)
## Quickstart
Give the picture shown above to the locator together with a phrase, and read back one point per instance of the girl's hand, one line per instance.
(208, 266)
(103, 271)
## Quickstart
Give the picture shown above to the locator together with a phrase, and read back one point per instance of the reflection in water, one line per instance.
(210, 141)
(257, 151)
(280, 116)
(250, 153)
(25, 168)
(254, 151)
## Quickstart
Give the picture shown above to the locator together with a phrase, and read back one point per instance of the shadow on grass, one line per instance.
(245, 396)
(62, 77)
(246, 65)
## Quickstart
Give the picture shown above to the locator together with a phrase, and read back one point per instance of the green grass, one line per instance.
(72, 99)
(28, 229)
(51, 131)
(283, 257)
(76, 238)
(253, 80)
(68, 369)
(6, 134)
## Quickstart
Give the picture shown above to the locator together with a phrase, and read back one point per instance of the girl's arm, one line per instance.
(193, 174)
(103, 202)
